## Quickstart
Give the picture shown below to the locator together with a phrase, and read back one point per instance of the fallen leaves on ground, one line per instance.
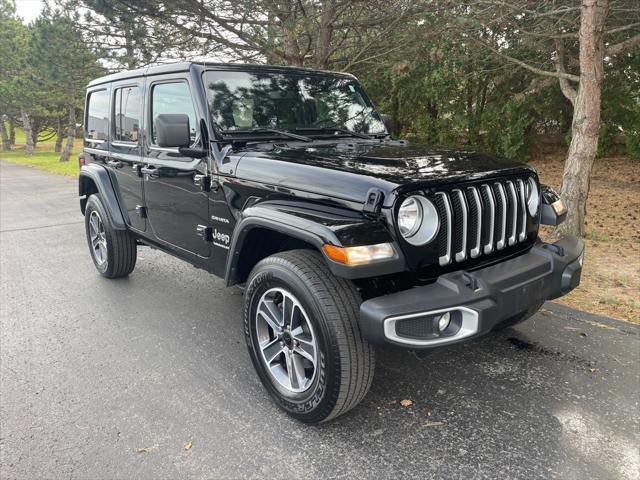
(406, 403)
(433, 424)
(611, 277)
(188, 446)
(143, 450)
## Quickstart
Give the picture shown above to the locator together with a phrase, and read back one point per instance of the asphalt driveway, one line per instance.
(111, 379)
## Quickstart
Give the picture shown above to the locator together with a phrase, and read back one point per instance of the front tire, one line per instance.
(113, 252)
(301, 327)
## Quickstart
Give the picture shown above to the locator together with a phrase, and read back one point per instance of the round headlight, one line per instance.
(533, 196)
(418, 220)
(409, 217)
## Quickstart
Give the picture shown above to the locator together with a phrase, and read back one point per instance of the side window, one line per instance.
(172, 98)
(127, 114)
(97, 125)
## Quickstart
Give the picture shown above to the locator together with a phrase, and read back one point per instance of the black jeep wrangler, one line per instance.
(286, 182)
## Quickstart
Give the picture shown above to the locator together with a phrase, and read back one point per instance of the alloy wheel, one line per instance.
(98, 238)
(286, 340)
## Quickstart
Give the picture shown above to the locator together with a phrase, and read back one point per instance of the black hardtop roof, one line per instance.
(186, 66)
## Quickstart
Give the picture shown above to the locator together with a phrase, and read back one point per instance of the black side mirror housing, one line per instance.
(554, 211)
(172, 130)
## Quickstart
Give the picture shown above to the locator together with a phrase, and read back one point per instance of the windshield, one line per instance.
(241, 101)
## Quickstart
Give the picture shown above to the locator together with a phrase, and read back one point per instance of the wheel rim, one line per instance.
(98, 238)
(287, 344)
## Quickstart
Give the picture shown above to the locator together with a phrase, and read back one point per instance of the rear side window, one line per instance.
(172, 98)
(127, 114)
(98, 116)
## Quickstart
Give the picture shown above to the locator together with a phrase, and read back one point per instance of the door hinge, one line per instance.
(203, 181)
(206, 233)
(142, 211)
(373, 202)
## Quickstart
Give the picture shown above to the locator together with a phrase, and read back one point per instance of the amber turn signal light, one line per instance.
(360, 255)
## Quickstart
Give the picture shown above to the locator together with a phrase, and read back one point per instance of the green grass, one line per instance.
(43, 158)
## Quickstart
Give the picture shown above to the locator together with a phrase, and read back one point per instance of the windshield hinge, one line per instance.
(202, 181)
(373, 202)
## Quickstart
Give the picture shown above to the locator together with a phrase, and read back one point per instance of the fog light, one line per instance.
(444, 321)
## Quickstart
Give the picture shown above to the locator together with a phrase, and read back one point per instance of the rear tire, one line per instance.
(336, 371)
(113, 252)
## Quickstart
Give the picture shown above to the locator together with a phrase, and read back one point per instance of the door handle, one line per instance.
(151, 172)
(115, 163)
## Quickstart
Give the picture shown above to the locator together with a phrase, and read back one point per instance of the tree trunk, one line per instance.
(396, 127)
(35, 128)
(59, 135)
(28, 136)
(6, 144)
(12, 130)
(71, 130)
(292, 54)
(325, 34)
(585, 127)
(130, 57)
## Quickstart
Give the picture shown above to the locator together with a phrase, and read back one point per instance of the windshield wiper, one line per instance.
(284, 133)
(335, 129)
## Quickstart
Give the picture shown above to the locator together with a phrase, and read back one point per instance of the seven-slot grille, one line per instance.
(481, 219)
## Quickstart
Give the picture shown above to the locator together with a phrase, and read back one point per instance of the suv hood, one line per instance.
(348, 171)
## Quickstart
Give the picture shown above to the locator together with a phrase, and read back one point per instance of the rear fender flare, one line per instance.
(95, 178)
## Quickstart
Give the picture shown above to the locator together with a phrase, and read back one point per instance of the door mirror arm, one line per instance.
(192, 152)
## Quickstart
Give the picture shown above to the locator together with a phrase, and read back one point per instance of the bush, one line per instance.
(632, 141)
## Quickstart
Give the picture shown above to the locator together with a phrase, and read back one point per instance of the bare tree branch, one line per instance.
(567, 90)
(531, 68)
(622, 29)
(618, 48)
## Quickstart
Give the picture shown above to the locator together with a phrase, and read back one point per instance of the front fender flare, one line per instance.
(95, 177)
(316, 229)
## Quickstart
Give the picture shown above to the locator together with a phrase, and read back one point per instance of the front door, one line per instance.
(124, 154)
(177, 207)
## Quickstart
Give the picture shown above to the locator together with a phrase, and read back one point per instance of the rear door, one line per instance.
(125, 152)
(177, 207)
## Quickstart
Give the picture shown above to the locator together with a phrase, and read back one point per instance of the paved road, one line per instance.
(106, 379)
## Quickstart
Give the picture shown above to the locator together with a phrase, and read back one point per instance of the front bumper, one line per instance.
(475, 302)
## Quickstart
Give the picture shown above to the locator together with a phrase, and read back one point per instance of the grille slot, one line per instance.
(488, 232)
(443, 204)
(479, 219)
(512, 219)
(475, 221)
(461, 219)
(522, 228)
(501, 214)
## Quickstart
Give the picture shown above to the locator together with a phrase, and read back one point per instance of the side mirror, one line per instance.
(554, 210)
(172, 130)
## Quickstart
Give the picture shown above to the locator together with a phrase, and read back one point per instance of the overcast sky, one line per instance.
(28, 10)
